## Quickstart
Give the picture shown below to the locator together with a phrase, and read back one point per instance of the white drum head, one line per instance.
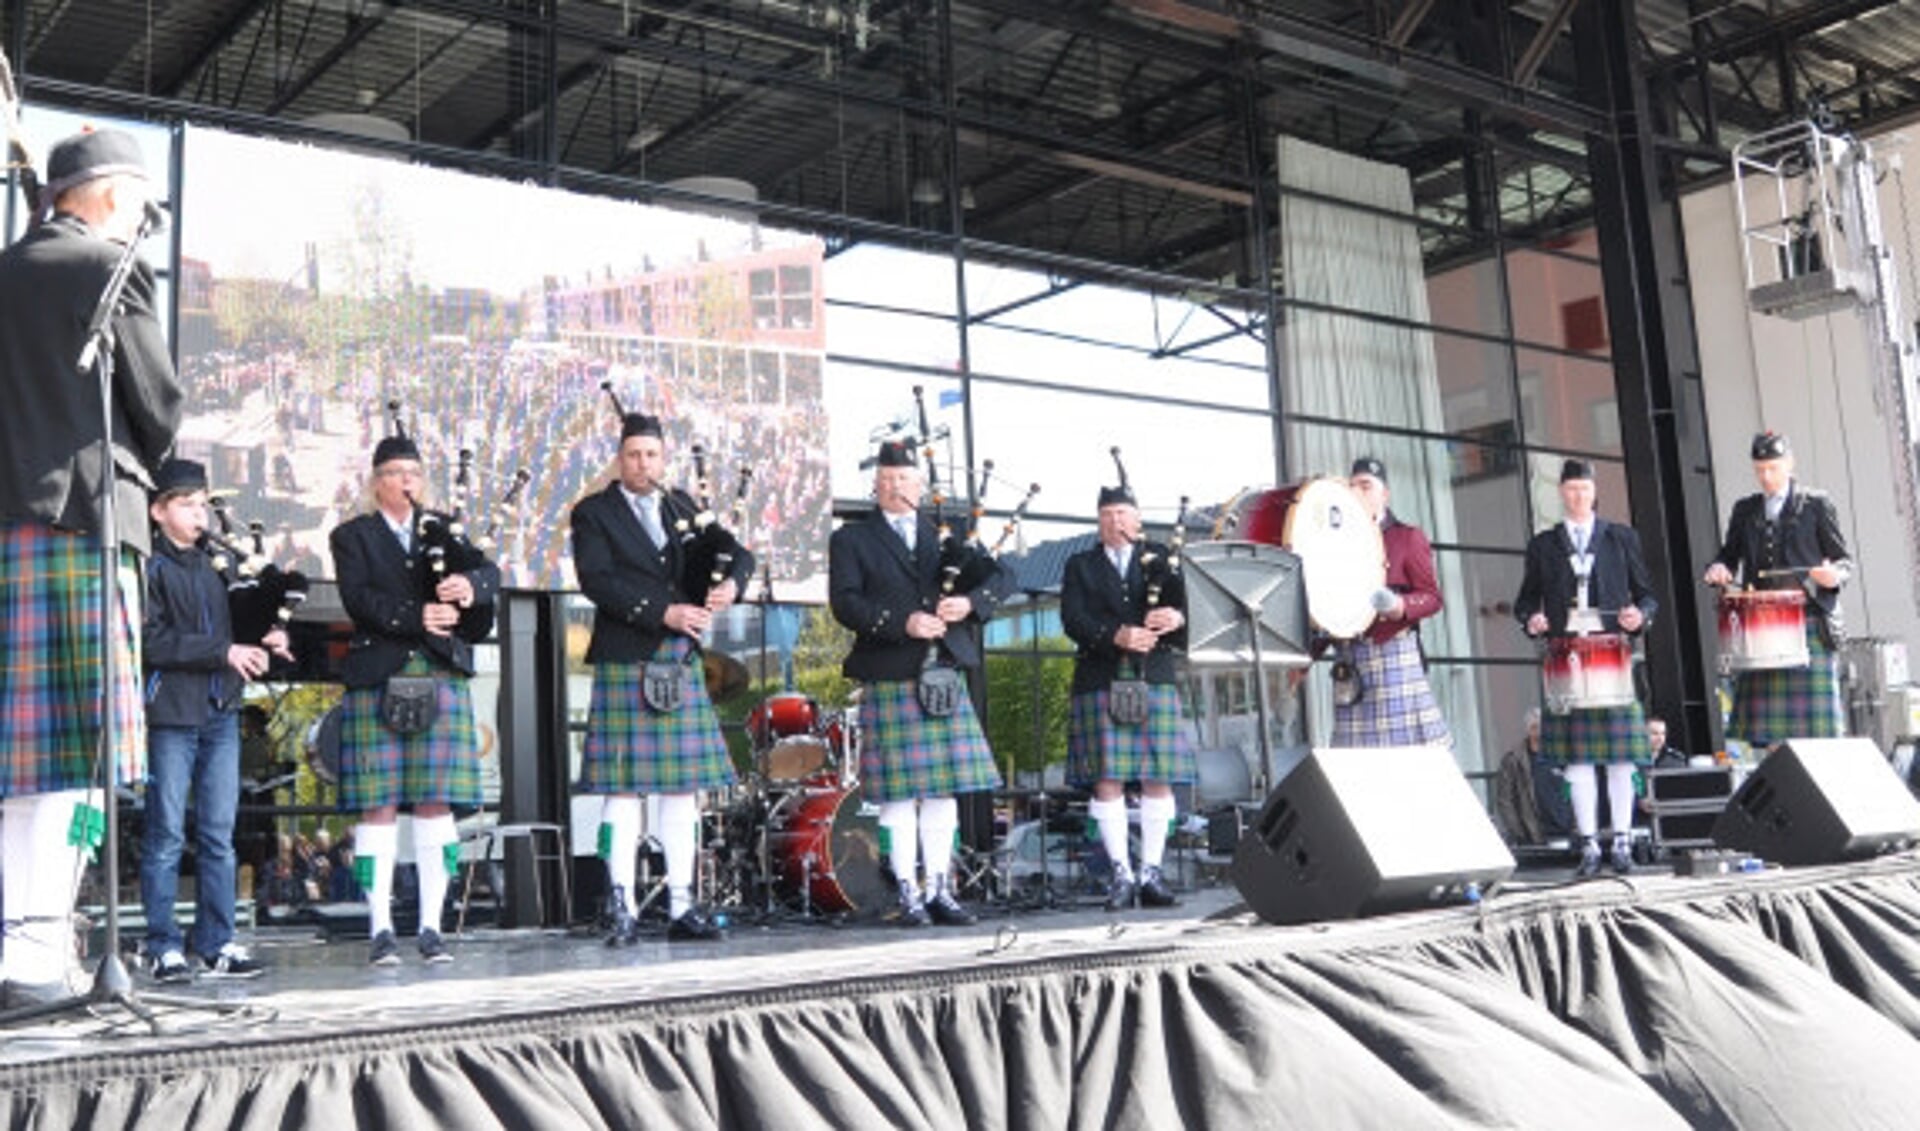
(1343, 559)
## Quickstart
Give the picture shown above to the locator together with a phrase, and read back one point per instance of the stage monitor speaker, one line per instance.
(1353, 832)
(1820, 801)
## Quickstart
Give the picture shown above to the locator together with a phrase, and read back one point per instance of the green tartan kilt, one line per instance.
(50, 662)
(1603, 736)
(905, 754)
(1155, 751)
(1769, 706)
(440, 764)
(632, 748)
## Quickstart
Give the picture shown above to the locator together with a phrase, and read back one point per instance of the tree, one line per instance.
(1028, 699)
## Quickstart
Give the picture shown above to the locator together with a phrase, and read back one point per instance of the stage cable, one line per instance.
(1853, 485)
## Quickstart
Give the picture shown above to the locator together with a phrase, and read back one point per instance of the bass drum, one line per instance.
(323, 747)
(1343, 561)
(824, 846)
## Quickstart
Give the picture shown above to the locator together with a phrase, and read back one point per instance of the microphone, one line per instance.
(155, 214)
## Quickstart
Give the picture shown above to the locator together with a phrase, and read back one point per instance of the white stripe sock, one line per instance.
(620, 826)
(679, 836)
(1156, 818)
(378, 843)
(939, 819)
(1584, 792)
(431, 835)
(1111, 819)
(901, 820)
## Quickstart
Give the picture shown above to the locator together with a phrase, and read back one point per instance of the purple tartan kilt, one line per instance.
(1157, 750)
(1396, 706)
(631, 748)
(50, 662)
(1604, 736)
(1769, 706)
(904, 754)
(379, 767)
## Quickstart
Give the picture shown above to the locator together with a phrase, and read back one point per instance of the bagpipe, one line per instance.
(261, 596)
(20, 158)
(708, 549)
(443, 542)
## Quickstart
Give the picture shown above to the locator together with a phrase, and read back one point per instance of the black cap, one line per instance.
(1367, 465)
(893, 453)
(1575, 469)
(1114, 496)
(90, 155)
(395, 447)
(179, 477)
(639, 424)
(1770, 445)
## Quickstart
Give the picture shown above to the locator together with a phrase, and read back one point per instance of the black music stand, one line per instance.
(1247, 603)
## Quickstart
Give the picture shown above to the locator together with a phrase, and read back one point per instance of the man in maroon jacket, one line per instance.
(1384, 667)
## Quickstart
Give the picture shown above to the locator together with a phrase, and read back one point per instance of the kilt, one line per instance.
(631, 748)
(1396, 706)
(379, 767)
(1789, 702)
(50, 662)
(1157, 750)
(904, 754)
(1602, 736)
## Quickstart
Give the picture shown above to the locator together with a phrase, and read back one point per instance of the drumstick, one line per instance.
(1786, 571)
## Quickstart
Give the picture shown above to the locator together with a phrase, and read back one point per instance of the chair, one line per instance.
(496, 836)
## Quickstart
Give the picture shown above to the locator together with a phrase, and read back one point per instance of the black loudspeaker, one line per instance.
(1353, 832)
(1820, 801)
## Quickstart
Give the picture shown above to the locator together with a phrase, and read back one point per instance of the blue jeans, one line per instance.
(207, 757)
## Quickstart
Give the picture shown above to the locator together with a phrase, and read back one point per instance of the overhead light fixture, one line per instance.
(644, 138)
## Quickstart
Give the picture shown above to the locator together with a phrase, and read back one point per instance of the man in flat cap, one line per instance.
(407, 730)
(651, 728)
(1396, 705)
(1585, 575)
(1122, 602)
(50, 635)
(1787, 537)
(883, 583)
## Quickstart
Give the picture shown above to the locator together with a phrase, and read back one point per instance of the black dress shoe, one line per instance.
(1120, 893)
(1154, 891)
(913, 913)
(694, 926)
(1589, 860)
(626, 927)
(948, 911)
(1622, 855)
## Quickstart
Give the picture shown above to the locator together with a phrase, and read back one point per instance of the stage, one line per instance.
(1781, 999)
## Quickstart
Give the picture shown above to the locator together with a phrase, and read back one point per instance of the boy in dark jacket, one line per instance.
(194, 676)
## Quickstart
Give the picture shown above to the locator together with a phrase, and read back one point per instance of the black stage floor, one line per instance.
(1783, 999)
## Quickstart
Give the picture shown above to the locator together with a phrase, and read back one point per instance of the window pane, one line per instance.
(1497, 697)
(1610, 489)
(1557, 302)
(1569, 402)
(883, 275)
(1477, 590)
(1458, 491)
(1476, 388)
(870, 403)
(1467, 297)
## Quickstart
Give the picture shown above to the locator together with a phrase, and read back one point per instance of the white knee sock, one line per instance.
(679, 836)
(1111, 818)
(901, 821)
(1584, 792)
(1156, 818)
(939, 821)
(620, 842)
(40, 872)
(377, 845)
(431, 838)
(1620, 797)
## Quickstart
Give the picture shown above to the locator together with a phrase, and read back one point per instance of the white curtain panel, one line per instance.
(1352, 369)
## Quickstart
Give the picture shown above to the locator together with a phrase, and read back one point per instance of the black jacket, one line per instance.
(630, 580)
(1619, 577)
(185, 638)
(1095, 602)
(384, 589)
(1807, 532)
(873, 584)
(49, 283)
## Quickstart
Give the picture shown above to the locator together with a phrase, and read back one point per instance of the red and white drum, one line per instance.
(1343, 561)
(1763, 630)
(782, 715)
(1586, 673)
(824, 841)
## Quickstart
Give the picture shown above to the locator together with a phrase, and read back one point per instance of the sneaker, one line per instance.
(385, 950)
(945, 910)
(232, 961)
(170, 969)
(433, 948)
(1589, 858)
(913, 913)
(1622, 855)
(1154, 891)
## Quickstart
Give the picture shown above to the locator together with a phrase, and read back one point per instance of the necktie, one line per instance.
(1118, 556)
(1580, 534)
(648, 508)
(904, 525)
(1775, 503)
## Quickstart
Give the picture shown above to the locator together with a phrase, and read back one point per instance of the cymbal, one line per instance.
(726, 676)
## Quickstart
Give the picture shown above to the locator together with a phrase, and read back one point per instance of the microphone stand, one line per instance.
(111, 983)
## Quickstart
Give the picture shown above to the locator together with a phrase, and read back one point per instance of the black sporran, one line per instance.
(1348, 687)
(410, 703)
(939, 690)
(1127, 702)
(663, 683)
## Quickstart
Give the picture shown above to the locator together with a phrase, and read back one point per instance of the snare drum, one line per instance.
(1586, 673)
(782, 715)
(1763, 630)
(1343, 561)
(824, 841)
